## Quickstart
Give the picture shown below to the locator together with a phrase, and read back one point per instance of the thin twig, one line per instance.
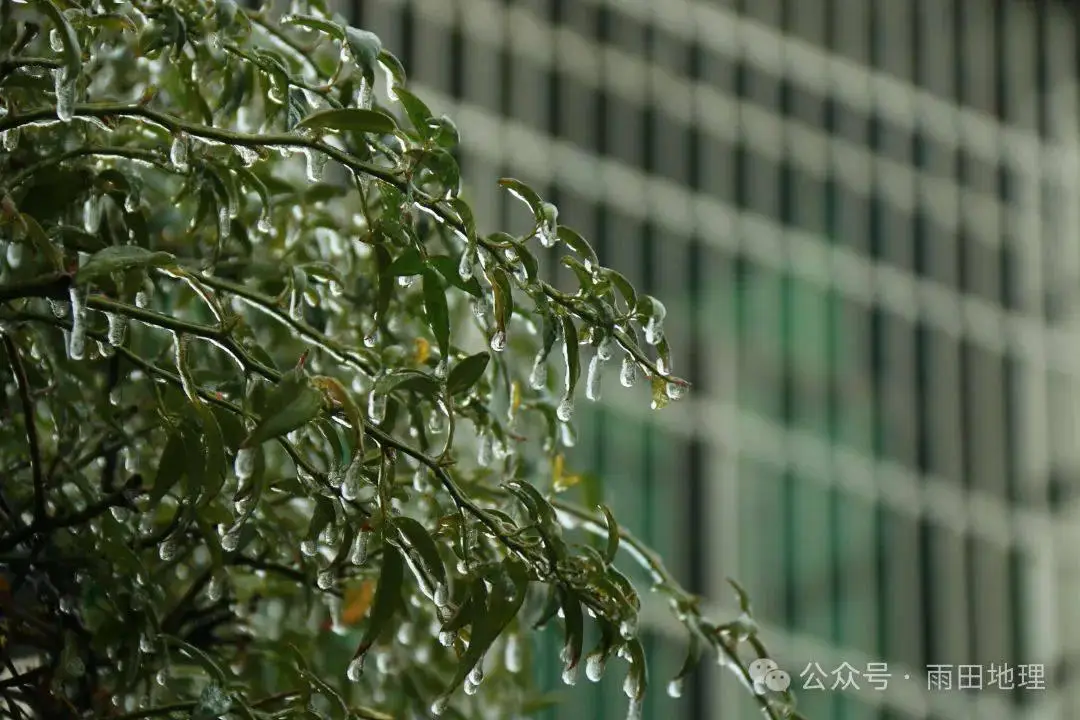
(17, 369)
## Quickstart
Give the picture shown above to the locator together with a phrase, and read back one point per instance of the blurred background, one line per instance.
(864, 218)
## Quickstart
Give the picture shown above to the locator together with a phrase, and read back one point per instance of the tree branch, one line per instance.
(17, 369)
(54, 285)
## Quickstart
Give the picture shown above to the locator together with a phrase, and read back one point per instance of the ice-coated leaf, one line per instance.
(216, 462)
(467, 373)
(72, 53)
(571, 354)
(575, 626)
(387, 598)
(612, 535)
(315, 23)
(418, 112)
(293, 403)
(170, 467)
(119, 258)
(525, 194)
(413, 380)
(350, 120)
(366, 47)
(407, 263)
(504, 601)
(418, 538)
(438, 314)
(579, 245)
(504, 298)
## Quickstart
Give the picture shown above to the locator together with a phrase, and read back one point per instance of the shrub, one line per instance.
(245, 388)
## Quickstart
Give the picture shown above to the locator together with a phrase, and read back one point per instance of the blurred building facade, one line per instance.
(864, 218)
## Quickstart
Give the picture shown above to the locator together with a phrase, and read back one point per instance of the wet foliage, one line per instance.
(281, 431)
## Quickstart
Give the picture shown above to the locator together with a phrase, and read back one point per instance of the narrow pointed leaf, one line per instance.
(467, 373)
(387, 597)
(612, 535)
(575, 627)
(504, 299)
(348, 119)
(578, 244)
(525, 194)
(119, 258)
(571, 353)
(438, 314)
(296, 404)
(420, 540)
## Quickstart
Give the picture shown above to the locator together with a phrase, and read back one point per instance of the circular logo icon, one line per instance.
(760, 668)
(777, 680)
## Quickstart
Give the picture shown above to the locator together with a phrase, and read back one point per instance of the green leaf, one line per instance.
(612, 535)
(413, 380)
(448, 268)
(474, 601)
(624, 287)
(292, 404)
(575, 627)
(418, 112)
(408, 263)
(349, 120)
(214, 474)
(525, 194)
(394, 70)
(387, 597)
(503, 604)
(578, 244)
(438, 314)
(366, 47)
(504, 298)
(537, 505)
(571, 353)
(693, 654)
(637, 667)
(72, 54)
(420, 540)
(170, 467)
(467, 373)
(200, 658)
(313, 23)
(584, 277)
(323, 515)
(119, 258)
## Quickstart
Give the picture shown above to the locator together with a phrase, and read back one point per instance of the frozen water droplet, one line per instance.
(215, 589)
(213, 701)
(14, 254)
(142, 299)
(675, 688)
(75, 667)
(115, 397)
(514, 654)
(654, 331)
(447, 638)
(675, 391)
(359, 553)
(244, 465)
(168, 550)
(406, 633)
(365, 94)
(436, 421)
(247, 156)
(59, 309)
(356, 669)
(631, 684)
(569, 675)
(628, 372)
(120, 514)
(376, 407)
(325, 579)
(469, 687)
(56, 42)
(628, 628)
(441, 596)
(498, 341)
(350, 486)
(371, 339)
(230, 541)
(465, 266)
(264, 224)
(594, 667)
(316, 164)
(483, 449)
(592, 380)
(308, 547)
(634, 711)
(605, 349)
(548, 232)
(117, 328)
(178, 153)
(439, 706)
(538, 376)
(565, 410)
(65, 94)
(476, 675)
(442, 368)
(146, 644)
(161, 678)
(224, 222)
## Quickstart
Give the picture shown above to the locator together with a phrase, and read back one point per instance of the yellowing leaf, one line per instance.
(356, 602)
(560, 481)
(423, 351)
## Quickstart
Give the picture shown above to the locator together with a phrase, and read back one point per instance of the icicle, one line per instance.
(230, 540)
(594, 666)
(592, 381)
(675, 688)
(168, 550)
(316, 164)
(439, 706)
(325, 579)
(465, 266)
(675, 391)
(215, 589)
(224, 223)
(59, 309)
(538, 376)
(376, 406)
(365, 94)
(244, 466)
(308, 547)
(77, 341)
(247, 156)
(264, 224)
(565, 410)
(65, 94)
(654, 331)
(634, 711)
(484, 449)
(514, 654)
(56, 42)
(441, 596)
(178, 153)
(498, 341)
(117, 328)
(549, 226)
(628, 372)
(359, 553)
(350, 486)
(356, 669)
